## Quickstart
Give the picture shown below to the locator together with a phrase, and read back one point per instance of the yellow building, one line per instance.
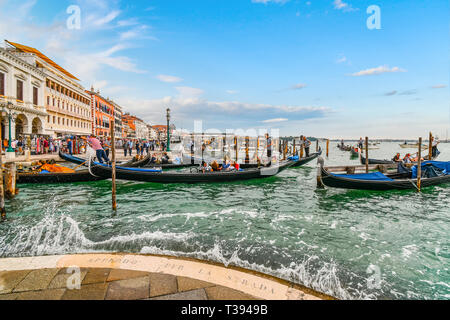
(66, 102)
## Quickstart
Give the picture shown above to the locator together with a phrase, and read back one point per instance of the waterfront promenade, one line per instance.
(138, 277)
(54, 156)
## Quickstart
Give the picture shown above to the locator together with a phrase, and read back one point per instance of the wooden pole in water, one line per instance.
(192, 148)
(302, 149)
(236, 149)
(203, 146)
(247, 145)
(284, 149)
(224, 142)
(328, 147)
(113, 165)
(317, 145)
(430, 147)
(293, 149)
(419, 165)
(2, 190)
(367, 154)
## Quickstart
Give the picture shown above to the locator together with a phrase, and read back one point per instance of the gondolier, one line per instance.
(269, 149)
(95, 144)
(434, 149)
(306, 144)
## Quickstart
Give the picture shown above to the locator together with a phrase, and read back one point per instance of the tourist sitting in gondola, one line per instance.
(407, 158)
(165, 158)
(397, 158)
(206, 167)
(215, 166)
(416, 158)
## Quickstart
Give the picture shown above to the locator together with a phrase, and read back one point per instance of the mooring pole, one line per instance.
(317, 145)
(113, 165)
(419, 165)
(203, 146)
(247, 145)
(224, 142)
(293, 149)
(367, 154)
(2, 190)
(328, 147)
(430, 147)
(236, 149)
(192, 148)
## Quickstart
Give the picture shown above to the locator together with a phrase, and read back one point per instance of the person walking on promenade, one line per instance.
(69, 146)
(138, 148)
(125, 147)
(95, 144)
(130, 148)
(46, 146)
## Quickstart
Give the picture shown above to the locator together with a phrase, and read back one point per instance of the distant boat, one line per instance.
(412, 145)
(433, 173)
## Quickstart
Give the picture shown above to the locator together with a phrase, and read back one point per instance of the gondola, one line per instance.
(168, 166)
(375, 161)
(303, 161)
(77, 160)
(354, 152)
(56, 177)
(148, 175)
(395, 181)
(344, 148)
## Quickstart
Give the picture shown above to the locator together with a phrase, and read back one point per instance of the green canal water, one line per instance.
(335, 241)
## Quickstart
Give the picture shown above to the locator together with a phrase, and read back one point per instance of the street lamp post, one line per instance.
(10, 149)
(168, 130)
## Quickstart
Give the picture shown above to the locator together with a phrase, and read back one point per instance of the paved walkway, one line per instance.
(119, 157)
(137, 277)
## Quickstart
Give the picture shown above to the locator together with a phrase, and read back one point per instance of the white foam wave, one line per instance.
(324, 279)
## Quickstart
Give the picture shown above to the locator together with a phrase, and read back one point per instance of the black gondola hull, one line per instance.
(79, 176)
(181, 177)
(306, 160)
(400, 184)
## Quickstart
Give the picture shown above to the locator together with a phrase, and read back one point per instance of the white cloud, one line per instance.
(108, 18)
(268, 1)
(169, 79)
(232, 91)
(341, 5)
(275, 120)
(378, 70)
(187, 109)
(342, 59)
(189, 93)
(439, 86)
(298, 86)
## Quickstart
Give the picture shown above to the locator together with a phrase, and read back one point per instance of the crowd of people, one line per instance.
(44, 145)
(141, 145)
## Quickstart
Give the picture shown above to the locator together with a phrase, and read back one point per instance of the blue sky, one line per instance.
(304, 67)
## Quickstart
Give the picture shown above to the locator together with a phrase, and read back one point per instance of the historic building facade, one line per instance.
(117, 120)
(21, 97)
(65, 100)
(134, 128)
(103, 114)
